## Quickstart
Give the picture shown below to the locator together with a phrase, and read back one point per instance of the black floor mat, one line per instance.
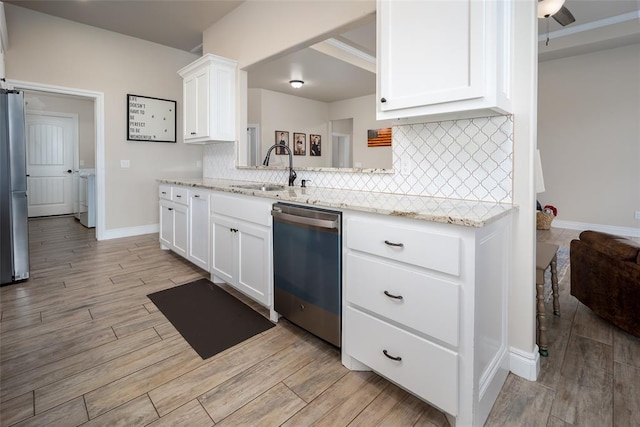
(209, 318)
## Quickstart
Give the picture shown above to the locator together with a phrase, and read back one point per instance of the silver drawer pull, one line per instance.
(396, 358)
(397, 245)
(393, 296)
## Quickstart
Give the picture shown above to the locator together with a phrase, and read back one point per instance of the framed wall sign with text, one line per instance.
(151, 119)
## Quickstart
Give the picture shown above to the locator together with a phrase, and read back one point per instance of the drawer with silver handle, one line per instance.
(418, 365)
(423, 302)
(410, 244)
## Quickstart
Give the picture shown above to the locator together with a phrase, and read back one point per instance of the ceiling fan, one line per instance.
(555, 9)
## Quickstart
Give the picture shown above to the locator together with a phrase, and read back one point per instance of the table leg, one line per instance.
(542, 320)
(554, 286)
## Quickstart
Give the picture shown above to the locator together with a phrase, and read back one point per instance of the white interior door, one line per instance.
(51, 150)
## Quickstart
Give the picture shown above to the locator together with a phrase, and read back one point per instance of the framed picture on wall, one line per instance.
(282, 138)
(379, 137)
(151, 119)
(299, 144)
(315, 142)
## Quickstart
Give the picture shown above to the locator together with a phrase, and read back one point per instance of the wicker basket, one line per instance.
(543, 220)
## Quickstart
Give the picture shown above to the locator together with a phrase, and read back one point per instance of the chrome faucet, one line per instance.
(292, 173)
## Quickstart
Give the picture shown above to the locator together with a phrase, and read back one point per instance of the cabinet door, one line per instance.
(429, 52)
(254, 264)
(196, 105)
(180, 229)
(199, 229)
(222, 93)
(166, 224)
(190, 107)
(223, 258)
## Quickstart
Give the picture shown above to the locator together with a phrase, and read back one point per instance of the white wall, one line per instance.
(589, 136)
(293, 114)
(57, 52)
(275, 111)
(363, 112)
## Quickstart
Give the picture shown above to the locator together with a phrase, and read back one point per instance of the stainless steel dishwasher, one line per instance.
(307, 268)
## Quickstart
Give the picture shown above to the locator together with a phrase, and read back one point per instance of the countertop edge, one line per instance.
(500, 209)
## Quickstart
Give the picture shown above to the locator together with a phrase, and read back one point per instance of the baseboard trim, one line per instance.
(611, 229)
(117, 233)
(523, 364)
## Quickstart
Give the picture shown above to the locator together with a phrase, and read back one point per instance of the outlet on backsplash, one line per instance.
(637, 214)
(405, 166)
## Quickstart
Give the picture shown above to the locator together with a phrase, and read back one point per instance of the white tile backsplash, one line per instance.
(462, 159)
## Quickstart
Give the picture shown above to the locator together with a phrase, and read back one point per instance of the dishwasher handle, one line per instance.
(297, 219)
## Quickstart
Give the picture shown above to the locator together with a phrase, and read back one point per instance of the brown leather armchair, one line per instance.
(605, 276)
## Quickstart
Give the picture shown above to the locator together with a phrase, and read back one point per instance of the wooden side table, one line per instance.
(546, 256)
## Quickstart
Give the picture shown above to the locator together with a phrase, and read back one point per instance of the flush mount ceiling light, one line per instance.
(296, 84)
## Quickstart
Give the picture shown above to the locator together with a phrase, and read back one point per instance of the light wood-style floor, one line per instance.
(80, 343)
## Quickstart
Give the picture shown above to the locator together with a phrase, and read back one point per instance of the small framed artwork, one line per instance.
(315, 148)
(299, 144)
(282, 138)
(150, 119)
(379, 137)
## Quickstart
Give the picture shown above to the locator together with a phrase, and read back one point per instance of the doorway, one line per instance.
(341, 150)
(97, 130)
(254, 154)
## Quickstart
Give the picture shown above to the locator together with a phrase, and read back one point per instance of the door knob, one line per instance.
(69, 171)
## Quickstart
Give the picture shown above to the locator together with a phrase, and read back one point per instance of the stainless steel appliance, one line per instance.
(14, 233)
(307, 268)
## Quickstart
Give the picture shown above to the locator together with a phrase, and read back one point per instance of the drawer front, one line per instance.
(422, 302)
(247, 208)
(426, 369)
(412, 245)
(164, 192)
(180, 195)
(199, 194)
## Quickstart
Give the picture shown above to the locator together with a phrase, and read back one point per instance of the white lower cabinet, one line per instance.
(241, 245)
(425, 305)
(199, 235)
(174, 218)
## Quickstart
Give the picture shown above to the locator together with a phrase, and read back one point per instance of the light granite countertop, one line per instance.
(449, 211)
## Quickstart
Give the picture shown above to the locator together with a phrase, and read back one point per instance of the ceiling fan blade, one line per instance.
(564, 17)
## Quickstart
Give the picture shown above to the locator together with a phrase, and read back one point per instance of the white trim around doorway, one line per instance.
(98, 98)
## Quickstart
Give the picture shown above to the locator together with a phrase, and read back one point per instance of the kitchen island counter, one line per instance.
(449, 211)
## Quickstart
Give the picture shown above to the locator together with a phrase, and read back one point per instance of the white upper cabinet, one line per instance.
(209, 100)
(443, 60)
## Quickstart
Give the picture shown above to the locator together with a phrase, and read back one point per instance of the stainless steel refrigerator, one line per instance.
(14, 231)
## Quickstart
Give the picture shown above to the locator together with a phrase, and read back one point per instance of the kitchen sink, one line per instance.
(260, 187)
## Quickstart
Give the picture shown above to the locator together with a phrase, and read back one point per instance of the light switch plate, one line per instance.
(125, 163)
